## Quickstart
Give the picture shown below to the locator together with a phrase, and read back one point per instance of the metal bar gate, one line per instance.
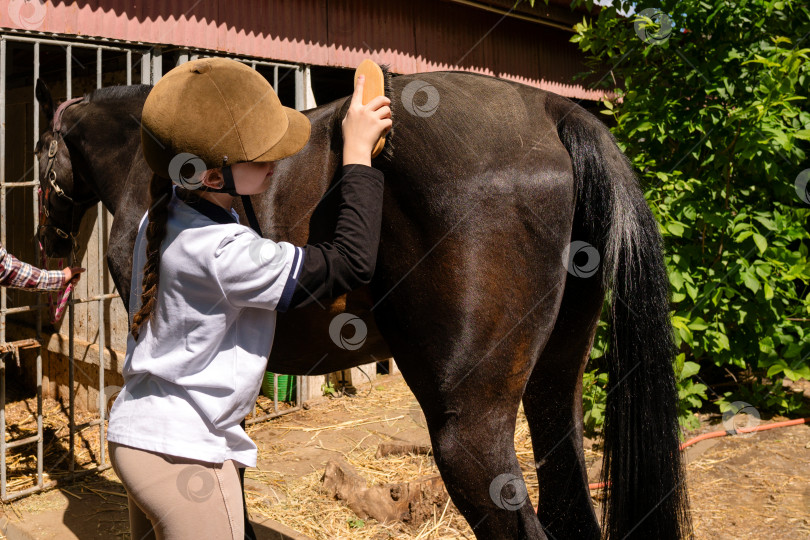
(151, 61)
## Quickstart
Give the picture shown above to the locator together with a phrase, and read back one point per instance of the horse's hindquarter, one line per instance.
(478, 211)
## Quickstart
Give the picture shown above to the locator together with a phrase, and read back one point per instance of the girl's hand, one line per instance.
(72, 275)
(364, 125)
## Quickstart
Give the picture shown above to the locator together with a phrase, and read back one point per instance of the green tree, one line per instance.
(710, 104)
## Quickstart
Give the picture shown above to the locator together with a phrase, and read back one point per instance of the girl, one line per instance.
(205, 289)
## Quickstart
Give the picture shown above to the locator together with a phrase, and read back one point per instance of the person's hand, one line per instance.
(72, 275)
(363, 125)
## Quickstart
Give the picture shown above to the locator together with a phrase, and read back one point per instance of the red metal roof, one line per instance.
(415, 36)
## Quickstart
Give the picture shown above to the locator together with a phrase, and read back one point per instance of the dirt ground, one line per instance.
(751, 486)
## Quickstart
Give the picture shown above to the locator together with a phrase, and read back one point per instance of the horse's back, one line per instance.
(459, 136)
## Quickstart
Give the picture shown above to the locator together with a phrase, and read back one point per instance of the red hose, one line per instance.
(715, 434)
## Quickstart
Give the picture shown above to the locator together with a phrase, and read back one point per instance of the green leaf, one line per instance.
(742, 225)
(676, 279)
(750, 281)
(766, 222)
(766, 344)
(698, 324)
(683, 331)
(722, 341)
(761, 243)
(692, 291)
(743, 235)
(689, 369)
(675, 228)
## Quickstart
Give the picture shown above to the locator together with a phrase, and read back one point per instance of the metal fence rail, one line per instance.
(151, 64)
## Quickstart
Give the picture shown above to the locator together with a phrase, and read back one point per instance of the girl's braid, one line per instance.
(160, 191)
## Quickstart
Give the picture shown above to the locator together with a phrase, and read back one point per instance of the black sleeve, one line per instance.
(331, 269)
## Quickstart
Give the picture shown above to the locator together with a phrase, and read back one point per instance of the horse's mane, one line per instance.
(388, 150)
(117, 93)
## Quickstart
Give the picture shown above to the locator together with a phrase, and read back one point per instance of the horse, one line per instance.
(510, 215)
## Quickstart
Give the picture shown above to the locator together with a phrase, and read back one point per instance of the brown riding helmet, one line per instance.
(216, 112)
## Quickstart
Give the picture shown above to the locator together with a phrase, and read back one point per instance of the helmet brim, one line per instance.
(293, 140)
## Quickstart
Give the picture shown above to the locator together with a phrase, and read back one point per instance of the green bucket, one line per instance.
(286, 386)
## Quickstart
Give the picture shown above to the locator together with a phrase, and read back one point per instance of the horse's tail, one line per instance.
(642, 470)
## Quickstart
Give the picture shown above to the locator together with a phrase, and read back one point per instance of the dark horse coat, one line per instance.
(509, 213)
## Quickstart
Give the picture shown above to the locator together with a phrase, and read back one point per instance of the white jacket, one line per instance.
(196, 369)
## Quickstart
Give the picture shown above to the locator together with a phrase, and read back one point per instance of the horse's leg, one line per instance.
(471, 421)
(553, 406)
(466, 329)
(472, 433)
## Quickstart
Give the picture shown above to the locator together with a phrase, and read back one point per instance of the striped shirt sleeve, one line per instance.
(20, 275)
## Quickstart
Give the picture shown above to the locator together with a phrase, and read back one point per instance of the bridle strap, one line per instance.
(57, 116)
(50, 173)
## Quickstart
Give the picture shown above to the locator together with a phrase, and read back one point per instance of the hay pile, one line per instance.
(21, 422)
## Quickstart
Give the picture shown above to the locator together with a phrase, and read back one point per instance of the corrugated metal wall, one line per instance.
(422, 35)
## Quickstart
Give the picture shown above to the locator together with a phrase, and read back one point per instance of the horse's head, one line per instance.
(65, 195)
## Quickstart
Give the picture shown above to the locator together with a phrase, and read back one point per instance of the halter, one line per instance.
(53, 184)
(51, 178)
(50, 173)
